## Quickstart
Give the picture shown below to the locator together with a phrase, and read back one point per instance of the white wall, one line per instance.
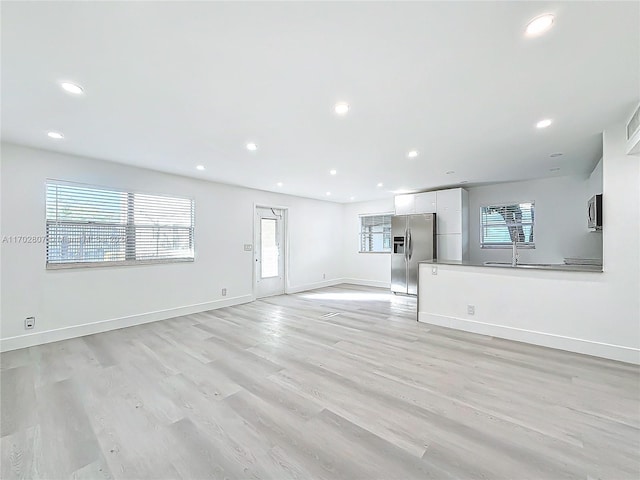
(593, 313)
(364, 268)
(560, 225)
(69, 302)
(595, 183)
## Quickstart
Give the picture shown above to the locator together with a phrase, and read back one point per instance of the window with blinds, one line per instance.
(375, 233)
(89, 225)
(501, 225)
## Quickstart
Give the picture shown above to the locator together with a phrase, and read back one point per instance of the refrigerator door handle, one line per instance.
(406, 245)
(409, 245)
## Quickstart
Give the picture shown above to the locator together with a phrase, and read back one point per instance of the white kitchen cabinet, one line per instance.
(450, 247)
(449, 211)
(452, 224)
(451, 207)
(425, 202)
(405, 204)
(415, 203)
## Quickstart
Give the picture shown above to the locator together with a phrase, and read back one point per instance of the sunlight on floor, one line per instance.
(359, 297)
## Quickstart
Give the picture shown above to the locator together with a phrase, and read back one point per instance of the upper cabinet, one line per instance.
(425, 202)
(449, 211)
(405, 204)
(415, 203)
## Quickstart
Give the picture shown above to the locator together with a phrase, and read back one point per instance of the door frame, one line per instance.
(285, 238)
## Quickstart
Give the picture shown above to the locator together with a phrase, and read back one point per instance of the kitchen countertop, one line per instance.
(529, 266)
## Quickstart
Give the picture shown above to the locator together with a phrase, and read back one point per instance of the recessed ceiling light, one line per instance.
(544, 123)
(252, 147)
(557, 169)
(557, 154)
(450, 172)
(72, 88)
(380, 184)
(539, 25)
(352, 198)
(412, 154)
(333, 172)
(200, 167)
(328, 194)
(279, 184)
(55, 135)
(341, 108)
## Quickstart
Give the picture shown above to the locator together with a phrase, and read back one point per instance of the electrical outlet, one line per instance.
(224, 292)
(471, 309)
(29, 323)
(248, 247)
(434, 270)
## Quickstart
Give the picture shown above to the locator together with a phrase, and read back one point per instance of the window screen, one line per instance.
(93, 225)
(501, 225)
(375, 233)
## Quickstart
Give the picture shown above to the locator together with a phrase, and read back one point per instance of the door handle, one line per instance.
(406, 245)
(410, 246)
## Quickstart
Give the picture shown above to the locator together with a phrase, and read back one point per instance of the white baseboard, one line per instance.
(577, 345)
(29, 340)
(366, 283)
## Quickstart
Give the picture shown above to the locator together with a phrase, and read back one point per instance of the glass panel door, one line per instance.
(269, 248)
(269, 254)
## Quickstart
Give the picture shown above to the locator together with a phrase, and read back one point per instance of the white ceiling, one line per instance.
(170, 85)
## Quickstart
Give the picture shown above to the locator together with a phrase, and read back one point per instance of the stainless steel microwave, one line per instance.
(595, 212)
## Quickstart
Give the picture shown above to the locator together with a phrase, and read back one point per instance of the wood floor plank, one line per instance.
(18, 452)
(17, 399)
(67, 441)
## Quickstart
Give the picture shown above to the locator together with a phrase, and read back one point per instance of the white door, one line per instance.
(269, 252)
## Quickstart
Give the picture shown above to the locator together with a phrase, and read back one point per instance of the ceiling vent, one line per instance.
(633, 133)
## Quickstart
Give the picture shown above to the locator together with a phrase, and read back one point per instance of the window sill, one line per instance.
(126, 263)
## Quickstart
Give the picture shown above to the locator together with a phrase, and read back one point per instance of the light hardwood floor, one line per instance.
(279, 389)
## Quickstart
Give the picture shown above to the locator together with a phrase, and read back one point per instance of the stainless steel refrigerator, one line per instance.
(414, 240)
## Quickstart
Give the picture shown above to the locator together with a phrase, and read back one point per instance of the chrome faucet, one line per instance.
(514, 254)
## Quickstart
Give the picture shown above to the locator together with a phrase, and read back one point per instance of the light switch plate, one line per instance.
(248, 247)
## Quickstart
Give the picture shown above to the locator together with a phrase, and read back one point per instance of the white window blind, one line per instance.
(89, 225)
(375, 233)
(501, 225)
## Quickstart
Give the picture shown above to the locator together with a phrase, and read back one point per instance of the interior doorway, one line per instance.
(270, 249)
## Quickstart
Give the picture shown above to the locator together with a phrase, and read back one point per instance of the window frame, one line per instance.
(520, 245)
(127, 226)
(361, 233)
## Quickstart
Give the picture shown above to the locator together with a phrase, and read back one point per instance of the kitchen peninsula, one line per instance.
(579, 309)
(556, 308)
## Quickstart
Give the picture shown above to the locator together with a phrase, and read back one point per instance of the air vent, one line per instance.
(330, 314)
(633, 133)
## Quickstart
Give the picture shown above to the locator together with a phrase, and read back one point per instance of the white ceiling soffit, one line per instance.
(173, 85)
